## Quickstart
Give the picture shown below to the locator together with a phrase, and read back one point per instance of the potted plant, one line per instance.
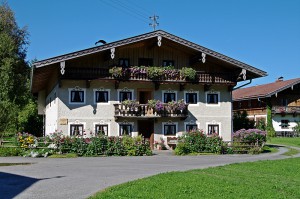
(151, 106)
(187, 73)
(115, 72)
(181, 105)
(155, 73)
(159, 107)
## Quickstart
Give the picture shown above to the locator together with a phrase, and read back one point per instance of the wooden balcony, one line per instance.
(101, 73)
(286, 110)
(143, 111)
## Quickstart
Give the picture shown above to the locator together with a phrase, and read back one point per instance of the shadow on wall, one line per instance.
(11, 184)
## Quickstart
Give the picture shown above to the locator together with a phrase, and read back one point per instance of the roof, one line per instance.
(149, 35)
(264, 90)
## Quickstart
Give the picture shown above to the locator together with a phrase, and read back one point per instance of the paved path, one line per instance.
(82, 177)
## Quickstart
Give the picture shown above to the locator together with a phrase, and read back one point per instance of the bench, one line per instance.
(172, 142)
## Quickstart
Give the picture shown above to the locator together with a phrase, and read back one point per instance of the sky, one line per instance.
(262, 33)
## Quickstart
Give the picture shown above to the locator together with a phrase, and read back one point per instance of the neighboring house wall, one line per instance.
(88, 114)
(279, 122)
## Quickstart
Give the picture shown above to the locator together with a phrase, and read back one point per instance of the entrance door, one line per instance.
(146, 129)
(144, 96)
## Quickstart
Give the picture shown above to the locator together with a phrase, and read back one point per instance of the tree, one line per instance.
(241, 121)
(15, 97)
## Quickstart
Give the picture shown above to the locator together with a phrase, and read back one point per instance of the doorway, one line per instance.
(144, 96)
(146, 129)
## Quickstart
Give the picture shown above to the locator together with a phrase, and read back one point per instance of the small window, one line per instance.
(145, 62)
(125, 95)
(169, 97)
(101, 129)
(101, 96)
(169, 129)
(77, 96)
(191, 127)
(76, 129)
(240, 104)
(124, 62)
(125, 129)
(191, 98)
(284, 124)
(168, 63)
(213, 129)
(284, 102)
(212, 98)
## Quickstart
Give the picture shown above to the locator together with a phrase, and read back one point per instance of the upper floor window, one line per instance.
(145, 62)
(168, 63)
(76, 129)
(77, 96)
(212, 98)
(284, 102)
(101, 129)
(169, 96)
(213, 129)
(191, 98)
(125, 95)
(101, 96)
(125, 129)
(124, 62)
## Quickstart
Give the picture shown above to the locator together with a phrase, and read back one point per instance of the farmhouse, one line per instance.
(115, 89)
(280, 98)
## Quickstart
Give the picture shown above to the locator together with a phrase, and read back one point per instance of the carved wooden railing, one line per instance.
(143, 110)
(286, 110)
(102, 73)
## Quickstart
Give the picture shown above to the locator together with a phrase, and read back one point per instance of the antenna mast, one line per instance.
(154, 23)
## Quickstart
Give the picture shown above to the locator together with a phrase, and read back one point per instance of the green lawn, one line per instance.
(263, 179)
(285, 141)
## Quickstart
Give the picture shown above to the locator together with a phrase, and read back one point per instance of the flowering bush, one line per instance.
(26, 140)
(250, 136)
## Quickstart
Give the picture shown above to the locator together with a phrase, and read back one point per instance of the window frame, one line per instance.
(127, 90)
(126, 124)
(101, 90)
(124, 60)
(105, 133)
(214, 93)
(167, 92)
(213, 125)
(164, 64)
(73, 124)
(193, 92)
(79, 90)
(164, 124)
(191, 124)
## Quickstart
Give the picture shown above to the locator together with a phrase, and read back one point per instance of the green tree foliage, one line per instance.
(241, 121)
(15, 97)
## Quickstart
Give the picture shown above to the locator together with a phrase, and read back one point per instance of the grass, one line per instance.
(263, 179)
(13, 164)
(68, 155)
(269, 149)
(291, 152)
(285, 141)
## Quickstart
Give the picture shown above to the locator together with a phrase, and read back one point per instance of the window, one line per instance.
(169, 129)
(212, 128)
(101, 129)
(191, 98)
(190, 127)
(284, 102)
(212, 98)
(76, 129)
(169, 97)
(125, 95)
(77, 96)
(168, 63)
(125, 129)
(145, 62)
(284, 124)
(101, 96)
(124, 62)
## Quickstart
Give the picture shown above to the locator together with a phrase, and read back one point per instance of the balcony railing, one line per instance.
(101, 73)
(144, 111)
(286, 110)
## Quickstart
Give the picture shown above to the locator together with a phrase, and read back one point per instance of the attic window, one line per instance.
(124, 62)
(168, 63)
(145, 62)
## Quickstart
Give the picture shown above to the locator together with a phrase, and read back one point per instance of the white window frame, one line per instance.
(209, 92)
(191, 123)
(102, 103)
(213, 123)
(169, 123)
(126, 123)
(198, 96)
(125, 90)
(168, 91)
(102, 123)
(76, 123)
(75, 89)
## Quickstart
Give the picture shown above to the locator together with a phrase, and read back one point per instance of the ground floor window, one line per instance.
(125, 129)
(169, 129)
(101, 129)
(190, 127)
(76, 129)
(213, 129)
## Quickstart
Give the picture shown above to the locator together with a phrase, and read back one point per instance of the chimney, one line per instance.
(280, 79)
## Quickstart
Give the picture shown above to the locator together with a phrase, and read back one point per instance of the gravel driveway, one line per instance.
(82, 177)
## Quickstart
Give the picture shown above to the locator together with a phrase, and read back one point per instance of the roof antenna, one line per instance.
(154, 23)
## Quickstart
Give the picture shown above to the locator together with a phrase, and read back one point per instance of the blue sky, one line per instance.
(262, 33)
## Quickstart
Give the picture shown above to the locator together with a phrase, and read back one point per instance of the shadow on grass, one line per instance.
(11, 184)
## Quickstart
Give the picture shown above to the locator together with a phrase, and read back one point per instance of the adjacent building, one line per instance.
(281, 97)
(87, 91)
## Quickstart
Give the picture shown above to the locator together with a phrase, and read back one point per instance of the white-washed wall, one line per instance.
(276, 121)
(51, 112)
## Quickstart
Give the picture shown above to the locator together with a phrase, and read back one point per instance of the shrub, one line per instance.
(10, 151)
(187, 73)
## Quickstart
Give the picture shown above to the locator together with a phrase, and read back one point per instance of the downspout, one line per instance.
(250, 81)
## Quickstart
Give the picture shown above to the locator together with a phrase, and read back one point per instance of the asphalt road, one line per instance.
(82, 177)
